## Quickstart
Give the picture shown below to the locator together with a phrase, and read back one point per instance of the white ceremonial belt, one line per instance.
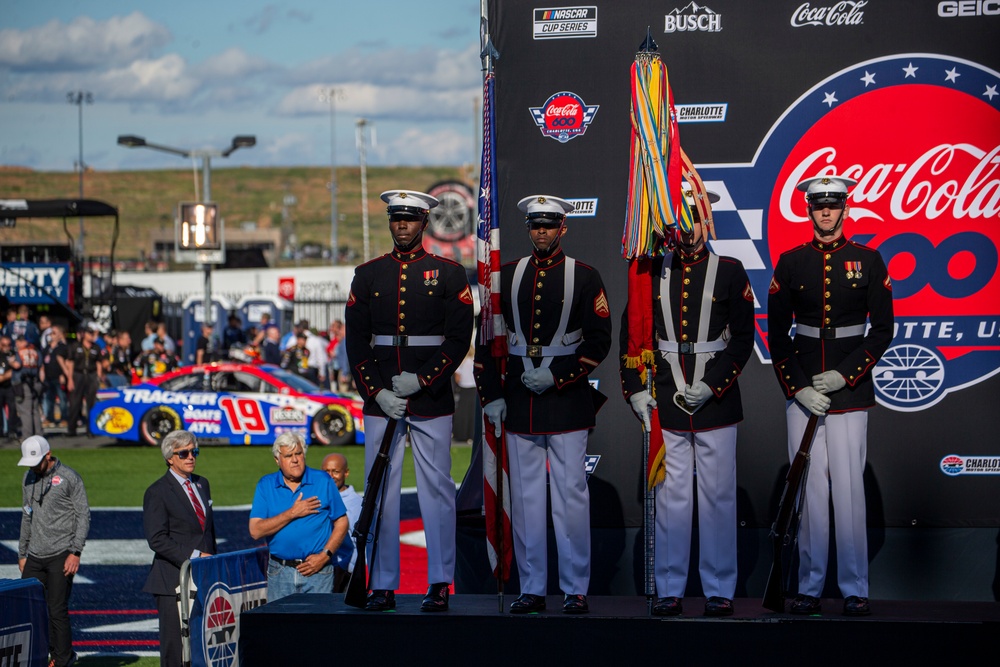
(541, 351)
(691, 348)
(829, 333)
(408, 341)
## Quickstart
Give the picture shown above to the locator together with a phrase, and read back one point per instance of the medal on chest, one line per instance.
(431, 277)
(853, 270)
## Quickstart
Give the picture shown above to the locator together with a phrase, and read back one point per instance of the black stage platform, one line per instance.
(321, 630)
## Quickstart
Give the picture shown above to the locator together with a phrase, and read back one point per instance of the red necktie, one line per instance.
(198, 509)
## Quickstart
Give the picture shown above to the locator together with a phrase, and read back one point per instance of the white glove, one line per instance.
(813, 401)
(642, 402)
(405, 384)
(496, 412)
(538, 379)
(828, 382)
(696, 394)
(392, 405)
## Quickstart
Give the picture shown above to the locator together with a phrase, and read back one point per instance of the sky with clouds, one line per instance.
(194, 73)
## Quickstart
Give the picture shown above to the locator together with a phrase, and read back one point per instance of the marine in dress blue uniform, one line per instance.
(709, 305)
(830, 287)
(409, 324)
(559, 330)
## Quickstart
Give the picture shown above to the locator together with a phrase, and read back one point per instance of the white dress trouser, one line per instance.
(836, 470)
(565, 454)
(430, 441)
(713, 455)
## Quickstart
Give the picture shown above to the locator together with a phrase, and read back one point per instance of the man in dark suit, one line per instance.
(177, 520)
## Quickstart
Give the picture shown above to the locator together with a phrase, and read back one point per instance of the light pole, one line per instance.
(362, 140)
(79, 98)
(331, 96)
(206, 155)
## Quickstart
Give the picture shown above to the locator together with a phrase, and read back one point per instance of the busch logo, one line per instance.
(692, 17)
(927, 198)
(564, 116)
(841, 13)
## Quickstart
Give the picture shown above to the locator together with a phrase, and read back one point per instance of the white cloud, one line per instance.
(232, 63)
(373, 101)
(417, 147)
(83, 43)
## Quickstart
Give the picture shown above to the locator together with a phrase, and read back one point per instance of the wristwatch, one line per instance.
(329, 554)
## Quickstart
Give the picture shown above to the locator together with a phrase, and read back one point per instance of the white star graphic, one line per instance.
(990, 92)
(829, 99)
(868, 78)
(951, 75)
(910, 71)
(484, 193)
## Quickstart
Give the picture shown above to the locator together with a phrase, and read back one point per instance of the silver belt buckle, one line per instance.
(686, 348)
(533, 351)
(400, 341)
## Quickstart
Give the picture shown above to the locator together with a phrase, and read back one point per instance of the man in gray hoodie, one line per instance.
(54, 527)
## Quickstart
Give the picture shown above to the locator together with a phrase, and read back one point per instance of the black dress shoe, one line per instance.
(528, 604)
(856, 606)
(575, 604)
(804, 605)
(669, 606)
(381, 601)
(436, 598)
(718, 606)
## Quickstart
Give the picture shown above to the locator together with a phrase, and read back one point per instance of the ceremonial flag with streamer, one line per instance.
(655, 209)
(496, 473)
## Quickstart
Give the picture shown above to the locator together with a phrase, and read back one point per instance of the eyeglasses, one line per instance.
(184, 453)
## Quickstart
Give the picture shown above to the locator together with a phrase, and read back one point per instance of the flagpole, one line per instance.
(488, 53)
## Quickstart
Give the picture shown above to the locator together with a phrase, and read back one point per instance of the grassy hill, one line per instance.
(146, 201)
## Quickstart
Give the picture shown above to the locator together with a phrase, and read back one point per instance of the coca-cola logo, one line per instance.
(564, 116)
(927, 198)
(847, 12)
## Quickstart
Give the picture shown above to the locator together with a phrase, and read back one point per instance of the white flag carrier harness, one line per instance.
(702, 349)
(516, 340)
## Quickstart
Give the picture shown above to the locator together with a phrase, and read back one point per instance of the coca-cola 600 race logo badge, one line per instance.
(921, 135)
(564, 116)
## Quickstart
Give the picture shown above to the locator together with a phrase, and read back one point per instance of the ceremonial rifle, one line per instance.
(357, 588)
(781, 530)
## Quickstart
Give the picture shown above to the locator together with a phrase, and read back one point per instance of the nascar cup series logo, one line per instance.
(220, 623)
(921, 135)
(564, 116)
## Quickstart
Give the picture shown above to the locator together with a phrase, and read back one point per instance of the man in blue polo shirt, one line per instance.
(298, 511)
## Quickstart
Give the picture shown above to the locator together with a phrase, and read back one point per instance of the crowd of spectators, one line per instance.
(49, 377)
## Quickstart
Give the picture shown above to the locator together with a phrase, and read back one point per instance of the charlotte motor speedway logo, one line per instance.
(223, 607)
(921, 134)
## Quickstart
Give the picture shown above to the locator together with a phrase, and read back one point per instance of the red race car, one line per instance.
(228, 403)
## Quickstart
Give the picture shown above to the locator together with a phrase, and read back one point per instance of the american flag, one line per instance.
(496, 487)
(488, 233)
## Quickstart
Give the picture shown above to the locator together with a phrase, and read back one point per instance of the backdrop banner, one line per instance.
(903, 96)
(24, 623)
(225, 586)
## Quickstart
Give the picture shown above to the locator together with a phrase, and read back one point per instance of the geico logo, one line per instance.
(969, 8)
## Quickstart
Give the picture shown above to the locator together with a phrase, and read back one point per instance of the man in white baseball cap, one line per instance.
(408, 325)
(558, 331)
(53, 534)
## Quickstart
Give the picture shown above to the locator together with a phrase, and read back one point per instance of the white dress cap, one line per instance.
(834, 187)
(408, 200)
(688, 193)
(545, 206)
